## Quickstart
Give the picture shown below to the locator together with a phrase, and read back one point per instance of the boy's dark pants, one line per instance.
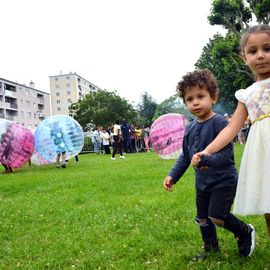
(217, 204)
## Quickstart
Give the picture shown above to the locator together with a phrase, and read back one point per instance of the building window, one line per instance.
(68, 85)
(56, 79)
(67, 77)
(57, 86)
(28, 103)
(22, 114)
(27, 92)
(69, 100)
(21, 102)
(29, 115)
(58, 109)
(68, 93)
(58, 101)
(34, 105)
(29, 126)
(57, 94)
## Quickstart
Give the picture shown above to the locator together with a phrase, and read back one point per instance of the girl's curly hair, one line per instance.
(200, 78)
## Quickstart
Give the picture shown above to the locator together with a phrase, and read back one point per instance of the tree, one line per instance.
(173, 104)
(221, 57)
(236, 15)
(222, 54)
(146, 108)
(261, 10)
(232, 14)
(102, 108)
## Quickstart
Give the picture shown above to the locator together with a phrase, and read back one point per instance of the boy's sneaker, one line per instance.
(63, 165)
(246, 244)
(57, 166)
(208, 250)
(112, 158)
(122, 157)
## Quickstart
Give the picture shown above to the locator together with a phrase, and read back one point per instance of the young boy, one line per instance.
(216, 175)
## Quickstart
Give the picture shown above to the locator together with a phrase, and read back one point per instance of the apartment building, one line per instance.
(23, 104)
(67, 89)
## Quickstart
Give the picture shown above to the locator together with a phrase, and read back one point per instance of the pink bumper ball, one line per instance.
(17, 144)
(166, 135)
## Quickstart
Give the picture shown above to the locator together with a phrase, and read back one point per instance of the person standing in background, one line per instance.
(117, 137)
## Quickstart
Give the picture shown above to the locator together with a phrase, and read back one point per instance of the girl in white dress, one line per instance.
(253, 190)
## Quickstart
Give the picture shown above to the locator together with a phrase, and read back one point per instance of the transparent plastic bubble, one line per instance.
(58, 134)
(166, 135)
(17, 144)
(36, 158)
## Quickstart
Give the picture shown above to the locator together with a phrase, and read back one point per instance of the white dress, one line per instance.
(253, 189)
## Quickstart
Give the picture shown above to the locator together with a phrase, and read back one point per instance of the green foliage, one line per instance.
(261, 9)
(102, 108)
(236, 15)
(146, 108)
(232, 14)
(173, 104)
(221, 57)
(104, 214)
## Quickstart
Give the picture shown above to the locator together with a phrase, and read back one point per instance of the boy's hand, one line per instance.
(168, 183)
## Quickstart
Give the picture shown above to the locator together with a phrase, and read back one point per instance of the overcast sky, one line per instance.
(124, 45)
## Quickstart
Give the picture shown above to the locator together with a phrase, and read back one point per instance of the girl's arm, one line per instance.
(229, 132)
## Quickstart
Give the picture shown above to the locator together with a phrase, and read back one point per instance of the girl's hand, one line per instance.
(168, 183)
(196, 159)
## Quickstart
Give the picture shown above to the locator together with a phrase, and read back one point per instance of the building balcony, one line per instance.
(13, 106)
(9, 93)
(10, 117)
(41, 115)
(40, 100)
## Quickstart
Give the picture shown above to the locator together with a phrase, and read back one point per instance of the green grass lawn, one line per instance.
(104, 214)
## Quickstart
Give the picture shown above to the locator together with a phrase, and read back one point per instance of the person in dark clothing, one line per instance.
(117, 138)
(125, 130)
(216, 175)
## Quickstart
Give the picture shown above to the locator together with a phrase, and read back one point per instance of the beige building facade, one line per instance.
(67, 89)
(23, 104)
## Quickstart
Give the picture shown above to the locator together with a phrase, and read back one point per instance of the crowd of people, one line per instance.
(122, 138)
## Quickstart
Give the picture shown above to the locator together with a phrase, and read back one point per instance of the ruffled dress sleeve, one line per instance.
(241, 95)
